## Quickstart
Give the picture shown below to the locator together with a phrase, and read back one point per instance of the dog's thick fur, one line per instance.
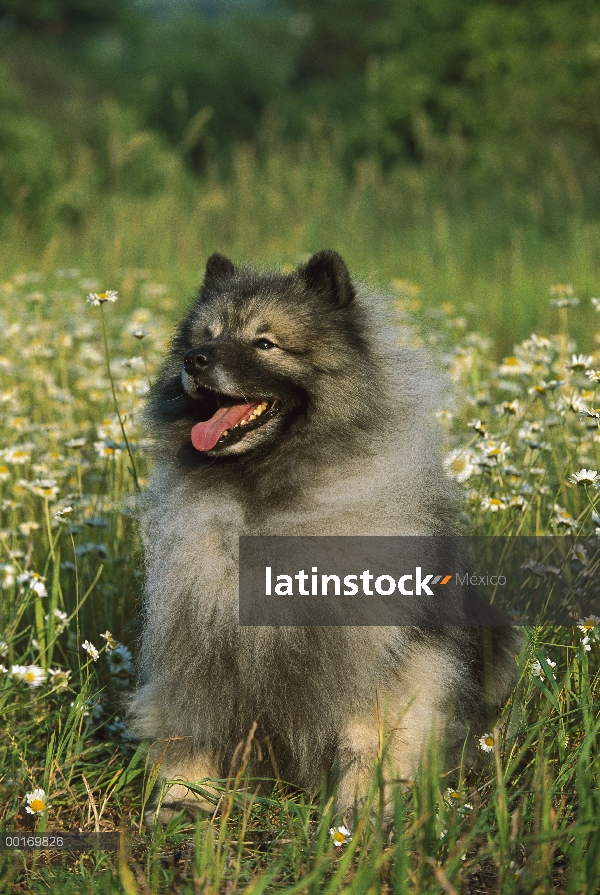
(351, 450)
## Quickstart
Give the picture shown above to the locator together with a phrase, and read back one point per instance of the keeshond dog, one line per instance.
(288, 405)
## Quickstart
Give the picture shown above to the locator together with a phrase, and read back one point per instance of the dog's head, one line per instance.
(259, 351)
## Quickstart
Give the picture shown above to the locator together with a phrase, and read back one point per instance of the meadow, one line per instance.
(508, 308)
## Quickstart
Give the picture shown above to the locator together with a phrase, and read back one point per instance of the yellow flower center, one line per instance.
(489, 741)
(37, 805)
(339, 837)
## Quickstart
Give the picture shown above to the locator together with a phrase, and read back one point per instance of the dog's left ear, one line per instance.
(326, 273)
(218, 267)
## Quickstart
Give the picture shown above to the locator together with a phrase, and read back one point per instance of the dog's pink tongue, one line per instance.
(205, 435)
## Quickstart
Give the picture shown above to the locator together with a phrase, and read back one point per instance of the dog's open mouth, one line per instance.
(232, 421)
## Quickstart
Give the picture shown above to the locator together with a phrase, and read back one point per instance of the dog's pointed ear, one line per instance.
(218, 267)
(327, 273)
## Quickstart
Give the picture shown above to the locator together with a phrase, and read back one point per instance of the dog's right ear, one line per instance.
(218, 267)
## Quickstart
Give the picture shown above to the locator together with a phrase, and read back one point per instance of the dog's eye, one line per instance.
(264, 344)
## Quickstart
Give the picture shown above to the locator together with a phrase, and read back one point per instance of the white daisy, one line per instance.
(33, 675)
(90, 649)
(538, 671)
(98, 298)
(487, 743)
(580, 362)
(37, 802)
(584, 477)
(340, 835)
(460, 464)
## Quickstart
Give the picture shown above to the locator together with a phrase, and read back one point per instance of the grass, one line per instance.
(526, 819)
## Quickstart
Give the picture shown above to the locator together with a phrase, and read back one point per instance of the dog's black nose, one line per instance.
(197, 359)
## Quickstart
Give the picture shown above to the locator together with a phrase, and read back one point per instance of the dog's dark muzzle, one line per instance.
(197, 360)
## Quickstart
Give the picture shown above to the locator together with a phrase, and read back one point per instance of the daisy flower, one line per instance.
(98, 298)
(111, 643)
(460, 465)
(61, 515)
(492, 503)
(584, 477)
(340, 835)
(580, 362)
(33, 675)
(487, 743)
(90, 650)
(538, 671)
(59, 678)
(36, 802)
(588, 624)
(578, 552)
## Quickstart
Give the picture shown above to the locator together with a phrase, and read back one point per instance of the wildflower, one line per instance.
(340, 835)
(538, 671)
(593, 375)
(61, 515)
(584, 477)
(107, 448)
(91, 650)
(3, 670)
(32, 675)
(494, 451)
(76, 443)
(517, 501)
(60, 620)
(120, 664)
(563, 296)
(98, 298)
(564, 518)
(34, 581)
(492, 503)
(487, 743)
(59, 678)
(4, 474)
(595, 303)
(7, 575)
(514, 870)
(579, 362)
(589, 624)
(460, 464)
(511, 407)
(46, 488)
(453, 796)
(37, 802)
(139, 333)
(111, 643)
(17, 456)
(479, 428)
(515, 366)
(543, 387)
(586, 644)
(578, 552)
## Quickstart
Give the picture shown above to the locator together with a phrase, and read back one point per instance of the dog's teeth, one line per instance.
(226, 432)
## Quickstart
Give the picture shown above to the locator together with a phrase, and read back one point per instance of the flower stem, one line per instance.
(114, 394)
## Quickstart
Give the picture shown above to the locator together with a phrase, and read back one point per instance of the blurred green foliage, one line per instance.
(486, 96)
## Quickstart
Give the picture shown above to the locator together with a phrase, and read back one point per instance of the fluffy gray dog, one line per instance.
(287, 406)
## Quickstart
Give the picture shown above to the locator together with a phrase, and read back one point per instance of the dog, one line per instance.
(289, 405)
